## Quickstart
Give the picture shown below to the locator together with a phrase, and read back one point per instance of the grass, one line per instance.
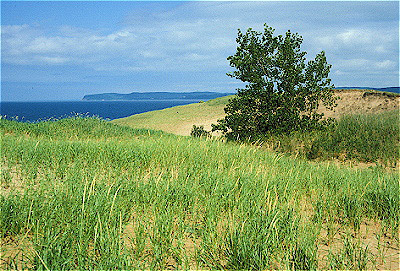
(185, 116)
(359, 137)
(84, 193)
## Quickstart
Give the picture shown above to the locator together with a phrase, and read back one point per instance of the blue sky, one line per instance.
(64, 50)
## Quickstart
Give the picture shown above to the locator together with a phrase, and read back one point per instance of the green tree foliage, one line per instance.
(282, 93)
(199, 131)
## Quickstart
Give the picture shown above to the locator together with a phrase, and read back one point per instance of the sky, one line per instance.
(65, 50)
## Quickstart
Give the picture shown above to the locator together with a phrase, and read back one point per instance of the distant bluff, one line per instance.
(154, 96)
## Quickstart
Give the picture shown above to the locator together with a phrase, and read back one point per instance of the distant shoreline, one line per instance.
(154, 96)
(171, 96)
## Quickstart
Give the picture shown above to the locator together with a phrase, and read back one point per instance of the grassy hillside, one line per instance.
(88, 194)
(180, 120)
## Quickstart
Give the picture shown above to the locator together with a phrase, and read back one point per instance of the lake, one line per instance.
(36, 111)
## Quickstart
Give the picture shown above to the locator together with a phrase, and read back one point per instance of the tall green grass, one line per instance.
(74, 128)
(87, 194)
(362, 137)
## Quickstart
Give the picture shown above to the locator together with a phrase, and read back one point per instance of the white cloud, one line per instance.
(184, 43)
(381, 49)
(352, 36)
(362, 52)
(339, 72)
(361, 38)
(53, 60)
(199, 36)
(385, 65)
(11, 29)
(46, 45)
(354, 63)
(365, 66)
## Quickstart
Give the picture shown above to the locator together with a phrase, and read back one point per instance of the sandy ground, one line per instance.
(361, 101)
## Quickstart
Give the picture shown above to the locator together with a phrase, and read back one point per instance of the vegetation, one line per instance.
(84, 193)
(283, 92)
(179, 119)
(199, 131)
(358, 137)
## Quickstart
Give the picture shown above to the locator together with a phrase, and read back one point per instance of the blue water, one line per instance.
(37, 111)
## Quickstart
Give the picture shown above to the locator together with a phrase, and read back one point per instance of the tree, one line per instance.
(282, 92)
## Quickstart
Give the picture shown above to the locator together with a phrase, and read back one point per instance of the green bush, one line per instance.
(199, 131)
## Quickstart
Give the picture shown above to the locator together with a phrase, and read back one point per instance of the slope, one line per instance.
(180, 119)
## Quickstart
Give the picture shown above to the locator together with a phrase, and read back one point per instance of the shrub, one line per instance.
(199, 131)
